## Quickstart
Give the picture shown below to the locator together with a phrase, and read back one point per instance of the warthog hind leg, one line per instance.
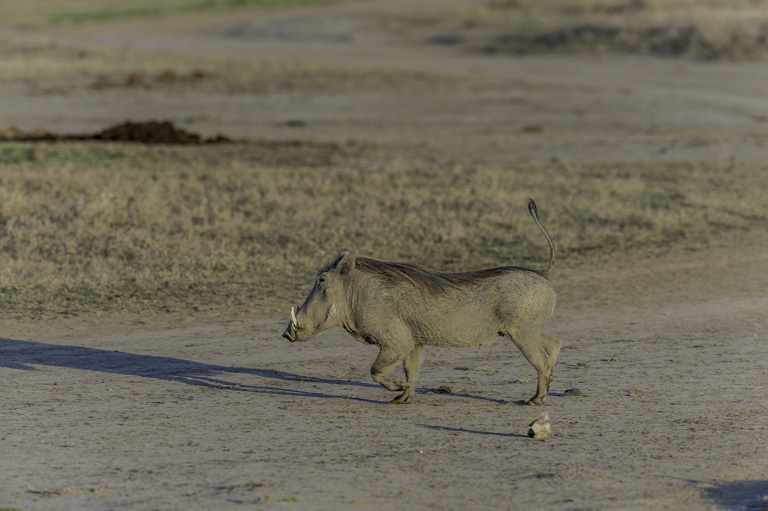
(412, 365)
(541, 350)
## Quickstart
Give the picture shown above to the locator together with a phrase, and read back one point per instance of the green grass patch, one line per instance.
(11, 153)
(42, 154)
(51, 12)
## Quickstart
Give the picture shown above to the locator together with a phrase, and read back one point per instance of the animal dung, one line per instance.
(479, 368)
(540, 428)
(444, 389)
(575, 393)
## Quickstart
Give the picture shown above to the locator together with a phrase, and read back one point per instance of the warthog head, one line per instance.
(322, 308)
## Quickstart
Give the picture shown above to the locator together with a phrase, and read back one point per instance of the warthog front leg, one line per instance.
(383, 365)
(412, 365)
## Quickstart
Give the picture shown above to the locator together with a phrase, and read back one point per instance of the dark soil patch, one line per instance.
(154, 132)
(672, 40)
(149, 132)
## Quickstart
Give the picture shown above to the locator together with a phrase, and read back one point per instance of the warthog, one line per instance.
(401, 307)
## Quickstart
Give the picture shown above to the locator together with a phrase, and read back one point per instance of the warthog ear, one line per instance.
(345, 263)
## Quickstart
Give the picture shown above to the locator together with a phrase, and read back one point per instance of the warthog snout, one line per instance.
(290, 331)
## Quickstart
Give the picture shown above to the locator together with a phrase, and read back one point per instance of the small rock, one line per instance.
(168, 76)
(540, 428)
(135, 79)
(532, 129)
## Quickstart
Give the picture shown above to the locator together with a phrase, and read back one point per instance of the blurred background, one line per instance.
(192, 155)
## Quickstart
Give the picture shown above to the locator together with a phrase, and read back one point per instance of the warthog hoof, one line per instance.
(403, 399)
(533, 401)
(393, 385)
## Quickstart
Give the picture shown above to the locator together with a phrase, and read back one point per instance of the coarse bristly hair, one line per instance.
(427, 279)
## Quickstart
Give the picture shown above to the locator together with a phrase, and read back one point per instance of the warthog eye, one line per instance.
(321, 279)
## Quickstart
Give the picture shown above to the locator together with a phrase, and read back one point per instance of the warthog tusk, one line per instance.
(293, 318)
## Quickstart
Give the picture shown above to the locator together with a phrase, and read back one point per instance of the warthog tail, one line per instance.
(535, 215)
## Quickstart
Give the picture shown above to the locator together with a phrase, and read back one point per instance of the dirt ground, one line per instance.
(666, 346)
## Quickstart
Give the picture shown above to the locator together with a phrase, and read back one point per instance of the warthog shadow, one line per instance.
(26, 355)
(472, 431)
(740, 495)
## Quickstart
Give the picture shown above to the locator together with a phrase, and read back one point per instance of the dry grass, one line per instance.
(89, 227)
(121, 228)
(703, 29)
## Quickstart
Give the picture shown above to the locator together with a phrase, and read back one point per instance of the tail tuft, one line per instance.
(532, 209)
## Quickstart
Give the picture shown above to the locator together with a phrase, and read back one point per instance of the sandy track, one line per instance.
(228, 414)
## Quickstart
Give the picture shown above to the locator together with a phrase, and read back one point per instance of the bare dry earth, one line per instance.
(667, 345)
(202, 413)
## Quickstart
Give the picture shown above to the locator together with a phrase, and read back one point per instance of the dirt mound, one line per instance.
(154, 132)
(149, 132)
